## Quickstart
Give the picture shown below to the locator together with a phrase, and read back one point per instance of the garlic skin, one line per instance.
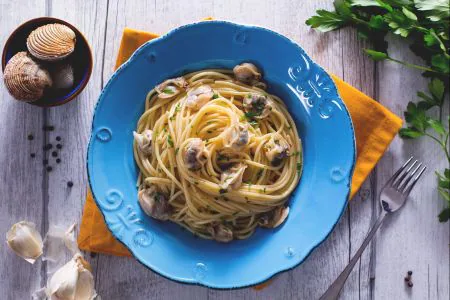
(73, 281)
(25, 241)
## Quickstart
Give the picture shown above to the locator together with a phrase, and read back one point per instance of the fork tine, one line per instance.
(393, 177)
(408, 178)
(397, 182)
(411, 186)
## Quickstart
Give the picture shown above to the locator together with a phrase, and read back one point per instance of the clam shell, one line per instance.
(62, 76)
(51, 42)
(25, 79)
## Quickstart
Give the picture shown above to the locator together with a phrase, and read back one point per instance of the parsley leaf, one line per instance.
(424, 25)
(169, 140)
(327, 21)
(435, 10)
(168, 91)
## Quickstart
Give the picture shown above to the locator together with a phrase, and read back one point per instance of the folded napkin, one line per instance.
(375, 127)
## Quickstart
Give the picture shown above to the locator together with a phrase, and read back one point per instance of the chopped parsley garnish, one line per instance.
(177, 107)
(168, 91)
(215, 96)
(259, 174)
(254, 123)
(176, 151)
(299, 167)
(169, 140)
(251, 114)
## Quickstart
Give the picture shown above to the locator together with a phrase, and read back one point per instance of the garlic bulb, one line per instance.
(25, 241)
(73, 281)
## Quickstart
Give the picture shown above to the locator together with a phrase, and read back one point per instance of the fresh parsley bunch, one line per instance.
(425, 23)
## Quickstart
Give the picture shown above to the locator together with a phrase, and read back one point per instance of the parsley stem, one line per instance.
(409, 65)
(442, 144)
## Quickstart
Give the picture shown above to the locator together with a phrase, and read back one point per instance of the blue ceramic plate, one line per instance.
(316, 204)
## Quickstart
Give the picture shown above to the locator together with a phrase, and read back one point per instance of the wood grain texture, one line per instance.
(21, 177)
(412, 240)
(72, 121)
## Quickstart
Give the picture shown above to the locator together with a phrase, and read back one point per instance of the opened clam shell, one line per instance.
(51, 42)
(25, 79)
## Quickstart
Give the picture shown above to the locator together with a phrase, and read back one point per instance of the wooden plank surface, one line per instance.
(413, 240)
(21, 177)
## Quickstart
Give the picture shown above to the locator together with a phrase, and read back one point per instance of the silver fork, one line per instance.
(392, 197)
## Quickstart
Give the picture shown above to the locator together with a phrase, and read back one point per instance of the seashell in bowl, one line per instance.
(51, 42)
(25, 79)
(62, 76)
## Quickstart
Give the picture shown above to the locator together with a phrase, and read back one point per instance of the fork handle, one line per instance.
(333, 291)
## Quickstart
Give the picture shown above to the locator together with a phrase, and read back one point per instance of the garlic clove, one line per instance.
(73, 281)
(59, 244)
(25, 241)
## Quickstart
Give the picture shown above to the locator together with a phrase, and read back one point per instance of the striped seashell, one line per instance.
(25, 79)
(51, 42)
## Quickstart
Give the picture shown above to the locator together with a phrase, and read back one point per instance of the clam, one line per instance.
(220, 233)
(274, 218)
(144, 141)
(247, 73)
(25, 79)
(232, 178)
(236, 137)
(171, 87)
(195, 154)
(257, 106)
(154, 203)
(62, 76)
(199, 96)
(51, 42)
(276, 149)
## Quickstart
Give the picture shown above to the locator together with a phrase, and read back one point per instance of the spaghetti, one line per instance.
(217, 154)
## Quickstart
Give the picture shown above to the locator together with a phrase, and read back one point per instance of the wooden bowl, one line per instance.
(81, 60)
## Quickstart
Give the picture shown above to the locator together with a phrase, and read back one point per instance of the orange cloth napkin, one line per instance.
(375, 127)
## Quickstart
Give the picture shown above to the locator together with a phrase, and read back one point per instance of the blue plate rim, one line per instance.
(241, 26)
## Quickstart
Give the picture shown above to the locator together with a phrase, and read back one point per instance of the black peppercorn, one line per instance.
(58, 138)
(48, 147)
(58, 160)
(54, 154)
(410, 284)
(59, 146)
(45, 161)
(49, 169)
(409, 273)
(33, 155)
(30, 137)
(70, 184)
(407, 278)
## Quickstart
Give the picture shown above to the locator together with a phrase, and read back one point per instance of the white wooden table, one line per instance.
(412, 240)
